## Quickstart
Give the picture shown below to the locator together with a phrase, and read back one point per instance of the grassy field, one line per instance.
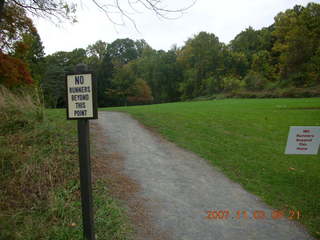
(40, 190)
(246, 139)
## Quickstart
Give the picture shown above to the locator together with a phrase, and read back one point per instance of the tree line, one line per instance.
(285, 55)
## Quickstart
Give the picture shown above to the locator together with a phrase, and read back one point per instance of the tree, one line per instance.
(122, 51)
(31, 51)
(97, 51)
(53, 86)
(140, 93)
(13, 26)
(13, 72)
(122, 84)
(166, 76)
(235, 63)
(262, 63)
(297, 33)
(104, 74)
(141, 45)
(59, 10)
(246, 42)
(201, 58)
(58, 64)
(20, 47)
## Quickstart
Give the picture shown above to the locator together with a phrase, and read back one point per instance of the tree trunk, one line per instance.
(1, 9)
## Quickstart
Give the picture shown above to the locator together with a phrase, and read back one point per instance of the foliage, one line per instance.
(212, 85)
(235, 63)
(104, 74)
(162, 72)
(54, 87)
(141, 93)
(122, 51)
(13, 72)
(203, 57)
(246, 42)
(31, 51)
(96, 51)
(57, 66)
(262, 63)
(254, 81)
(21, 50)
(56, 10)
(231, 83)
(297, 41)
(13, 25)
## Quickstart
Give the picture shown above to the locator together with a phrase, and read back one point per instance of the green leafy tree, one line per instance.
(122, 51)
(165, 76)
(14, 25)
(297, 33)
(54, 87)
(262, 63)
(251, 41)
(104, 73)
(57, 65)
(231, 83)
(122, 84)
(235, 63)
(31, 51)
(203, 57)
(96, 52)
(246, 42)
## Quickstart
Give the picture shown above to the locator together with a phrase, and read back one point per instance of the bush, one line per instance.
(255, 81)
(276, 93)
(293, 92)
(231, 83)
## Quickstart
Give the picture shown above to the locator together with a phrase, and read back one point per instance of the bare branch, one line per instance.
(151, 5)
(116, 11)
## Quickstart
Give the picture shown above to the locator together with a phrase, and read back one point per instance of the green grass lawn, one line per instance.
(246, 139)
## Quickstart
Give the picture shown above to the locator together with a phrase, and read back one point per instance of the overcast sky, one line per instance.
(224, 18)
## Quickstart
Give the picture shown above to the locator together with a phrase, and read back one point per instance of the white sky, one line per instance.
(224, 18)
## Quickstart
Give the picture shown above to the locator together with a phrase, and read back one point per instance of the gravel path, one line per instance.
(179, 188)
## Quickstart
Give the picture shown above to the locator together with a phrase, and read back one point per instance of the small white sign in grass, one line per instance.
(303, 140)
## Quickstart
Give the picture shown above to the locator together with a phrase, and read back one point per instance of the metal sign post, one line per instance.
(82, 105)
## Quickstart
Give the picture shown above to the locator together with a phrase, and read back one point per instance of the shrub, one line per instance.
(231, 83)
(293, 92)
(18, 110)
(255, 81)
(13, 72)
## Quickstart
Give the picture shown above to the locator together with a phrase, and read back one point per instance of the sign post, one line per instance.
(82, 105)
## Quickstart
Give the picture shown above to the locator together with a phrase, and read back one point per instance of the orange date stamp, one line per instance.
(255, 214)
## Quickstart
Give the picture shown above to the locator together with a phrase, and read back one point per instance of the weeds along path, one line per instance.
(178, 189)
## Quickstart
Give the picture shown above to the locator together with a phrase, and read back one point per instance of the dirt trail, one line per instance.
(174, 189)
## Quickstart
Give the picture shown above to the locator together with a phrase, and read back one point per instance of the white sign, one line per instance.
(80, 96)
(303, 140)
